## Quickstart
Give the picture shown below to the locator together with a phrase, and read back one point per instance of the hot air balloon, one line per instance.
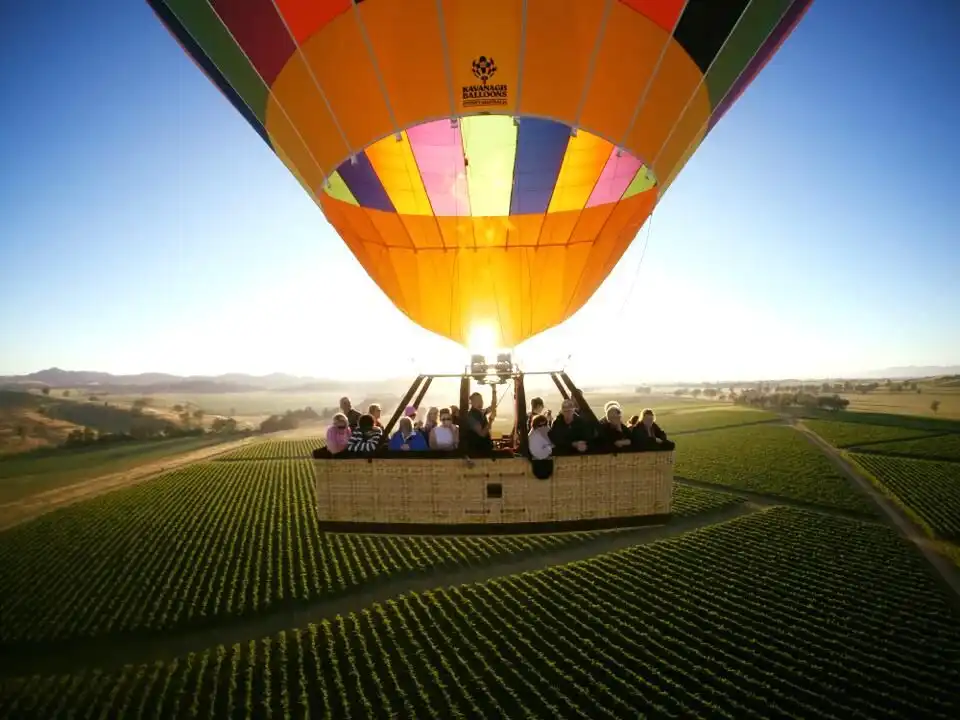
(487, 162)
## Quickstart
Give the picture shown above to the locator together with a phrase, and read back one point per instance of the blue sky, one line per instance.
(145, 227)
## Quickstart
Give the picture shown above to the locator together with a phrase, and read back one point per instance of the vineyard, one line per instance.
(674, 423)
(757, 617)
(767, 459)
(213, 541)
(931, 490)
(847, 434)
(941, 447)
(275, 450)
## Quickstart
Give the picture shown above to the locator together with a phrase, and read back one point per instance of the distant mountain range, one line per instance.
(911, 371)
(156, 383)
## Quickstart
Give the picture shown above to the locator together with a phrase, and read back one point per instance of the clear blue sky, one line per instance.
(145, 227)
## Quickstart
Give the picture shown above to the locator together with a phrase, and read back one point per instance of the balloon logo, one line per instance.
(484, 68)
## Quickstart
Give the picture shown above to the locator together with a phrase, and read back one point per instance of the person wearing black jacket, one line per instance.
(647, 435)
(614, 435)
(570, 433)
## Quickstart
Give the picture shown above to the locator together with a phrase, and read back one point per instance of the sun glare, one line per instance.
(483, 338)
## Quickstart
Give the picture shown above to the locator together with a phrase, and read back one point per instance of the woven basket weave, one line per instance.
(455, 491)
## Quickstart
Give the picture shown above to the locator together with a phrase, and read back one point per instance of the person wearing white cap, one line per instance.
(613, 432)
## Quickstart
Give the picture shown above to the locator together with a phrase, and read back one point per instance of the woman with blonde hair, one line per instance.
(375, 411)
(431, 421)
(650, 436)
(338, 434)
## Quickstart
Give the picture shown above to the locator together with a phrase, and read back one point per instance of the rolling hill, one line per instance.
(31, 420)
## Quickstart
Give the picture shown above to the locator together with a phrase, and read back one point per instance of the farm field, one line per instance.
(684, 422)
(910, 403)
(214, 541)
(848, 434)
(930, 490)
(26, 474)
(755, 617)
(275, 450)
(767, 459)
(940, 447)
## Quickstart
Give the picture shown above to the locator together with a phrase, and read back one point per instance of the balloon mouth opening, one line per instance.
(489, 165)
(483, 338)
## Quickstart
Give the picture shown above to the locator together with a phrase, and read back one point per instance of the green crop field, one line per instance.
(931, 490)
(940, 447)
(688, 501)
(212, 541)
(847, 434)
(757, 617)
(275, 450)
(674, 423)
(767, 459)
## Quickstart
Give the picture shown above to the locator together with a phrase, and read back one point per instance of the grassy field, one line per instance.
(910, 403)
(766, 459)
(27, 474)
(210, 541)
(756, 617)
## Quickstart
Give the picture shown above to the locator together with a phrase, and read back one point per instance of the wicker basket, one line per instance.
(457, 492)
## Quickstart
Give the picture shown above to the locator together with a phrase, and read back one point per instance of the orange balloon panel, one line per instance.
(487, 162)
(520, 289)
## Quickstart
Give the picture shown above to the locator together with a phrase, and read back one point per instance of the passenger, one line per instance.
(537, 408)
(411, 412)
(647, 434)
(338, 434)
(375, 411)
(366, 438)
(477, 439)
(446, 435)
(633, 422)
(432, 420)
(613, 432)
(540, 446)
(353, 416)
(455, 414)
(406, 438)
(570, 433)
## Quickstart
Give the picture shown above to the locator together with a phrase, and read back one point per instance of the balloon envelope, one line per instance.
(488, 163)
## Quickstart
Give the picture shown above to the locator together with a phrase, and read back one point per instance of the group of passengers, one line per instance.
(568, 433)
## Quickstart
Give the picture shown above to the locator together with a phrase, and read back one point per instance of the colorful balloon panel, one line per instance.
(487, 163)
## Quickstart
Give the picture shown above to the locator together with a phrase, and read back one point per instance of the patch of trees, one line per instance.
(780, 400)
(89, 436)
(290, 420)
